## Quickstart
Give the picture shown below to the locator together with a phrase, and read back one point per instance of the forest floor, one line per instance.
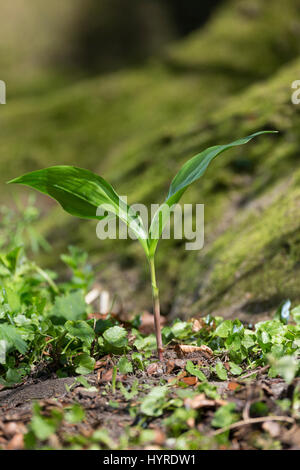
(185, 413)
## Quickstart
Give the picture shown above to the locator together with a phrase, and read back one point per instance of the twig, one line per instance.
(256, 371)
(254, 421)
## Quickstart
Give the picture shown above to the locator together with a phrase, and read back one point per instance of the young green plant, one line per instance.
(81, 192)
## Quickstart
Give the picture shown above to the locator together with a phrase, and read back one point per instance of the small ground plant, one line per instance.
(220, 378)
(81, 192)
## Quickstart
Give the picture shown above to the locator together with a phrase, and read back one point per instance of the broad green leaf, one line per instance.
(286, 366)
(190, 172)
(124, 366)
(116, 337)
(235, 369)
(85, 364)
(12, 337)
(81, 330)
(224, 329)
(81, 192)
(69, 307)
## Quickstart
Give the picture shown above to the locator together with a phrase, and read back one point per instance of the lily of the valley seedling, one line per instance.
(81, 192)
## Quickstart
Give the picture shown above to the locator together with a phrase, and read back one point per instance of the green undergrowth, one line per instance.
(47, 329)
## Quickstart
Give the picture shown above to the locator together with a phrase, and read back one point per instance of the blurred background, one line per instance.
(131, 90)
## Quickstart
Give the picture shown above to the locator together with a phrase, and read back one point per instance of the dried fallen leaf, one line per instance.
(185, 349)
(107, 376)
(180, 363)
(10, 429)
(233, 386)
(197, 325)
(16, 443)
(170, 366)
(190, 380)
(154, 369)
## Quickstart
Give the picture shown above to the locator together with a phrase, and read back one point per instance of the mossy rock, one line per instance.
(136, 127)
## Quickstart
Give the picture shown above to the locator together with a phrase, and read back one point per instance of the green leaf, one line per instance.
(124, 366)
(134, 390)
(69, 307)
(296, 314)
(190, 172)
(116, 337)
(85, 364)
(195, 371)
(286, 367)
(43, 427)
(75, 414)
(221, 371)
(13, 299)
(81, 192)
(13, 338)
(154, 402)
(224, 329)
(225, 416)
(235, 369)
(81, 330)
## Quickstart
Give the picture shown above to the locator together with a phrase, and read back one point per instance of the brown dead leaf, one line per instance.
(107, 376)
(199, 401)
(197, 325)
(180, 363)
(10, 429)
(183, 349)
(159, 437)
(16, 443)
(170, 366)
(154, 369)
(190, 380)
(233, 386)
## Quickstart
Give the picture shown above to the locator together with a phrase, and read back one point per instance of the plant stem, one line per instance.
(156, 309)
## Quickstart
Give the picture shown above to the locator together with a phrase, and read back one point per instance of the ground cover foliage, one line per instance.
(74, 378)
